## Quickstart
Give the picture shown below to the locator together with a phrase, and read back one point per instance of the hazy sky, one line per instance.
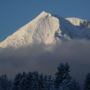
(16, 13)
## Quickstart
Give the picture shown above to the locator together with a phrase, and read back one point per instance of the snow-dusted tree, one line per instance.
(5, 84)
(74, 85)
(35, 80)
(16, 83)
(46, 82)
(50, 83)
(69, 85)
(62, 74)
(87, 82)
(23, 81)
(41, 82)
(29, 81)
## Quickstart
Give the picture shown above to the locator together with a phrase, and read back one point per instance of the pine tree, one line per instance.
(16, 83)
(5, 84)
(62, 74)
(46, 82)
(35, 80)
(23, 81)
(41, 82)
(87, 82)
(73, 85)
(29, 81)
(50, 83)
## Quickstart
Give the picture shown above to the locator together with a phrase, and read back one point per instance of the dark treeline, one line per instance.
(62, 80)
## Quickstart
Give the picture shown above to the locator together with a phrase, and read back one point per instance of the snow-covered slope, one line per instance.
(47, 29)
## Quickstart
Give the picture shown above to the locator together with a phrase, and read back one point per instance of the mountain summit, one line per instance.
(47, 29)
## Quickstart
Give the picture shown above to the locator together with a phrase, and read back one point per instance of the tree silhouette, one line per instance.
(5, 84)
(87, 82)
(62, 74)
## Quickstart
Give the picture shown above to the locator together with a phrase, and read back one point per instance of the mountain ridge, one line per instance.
(48, 29)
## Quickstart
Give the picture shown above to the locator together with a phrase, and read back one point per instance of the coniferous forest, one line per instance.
(62, 80)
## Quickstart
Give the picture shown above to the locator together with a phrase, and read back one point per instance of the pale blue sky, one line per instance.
(16, 13)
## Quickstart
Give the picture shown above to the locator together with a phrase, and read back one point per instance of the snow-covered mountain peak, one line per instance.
(40, 30)
(47, 29)
(79, 22)
(42, 14)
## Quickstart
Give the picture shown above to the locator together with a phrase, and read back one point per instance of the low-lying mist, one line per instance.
(45, 59)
